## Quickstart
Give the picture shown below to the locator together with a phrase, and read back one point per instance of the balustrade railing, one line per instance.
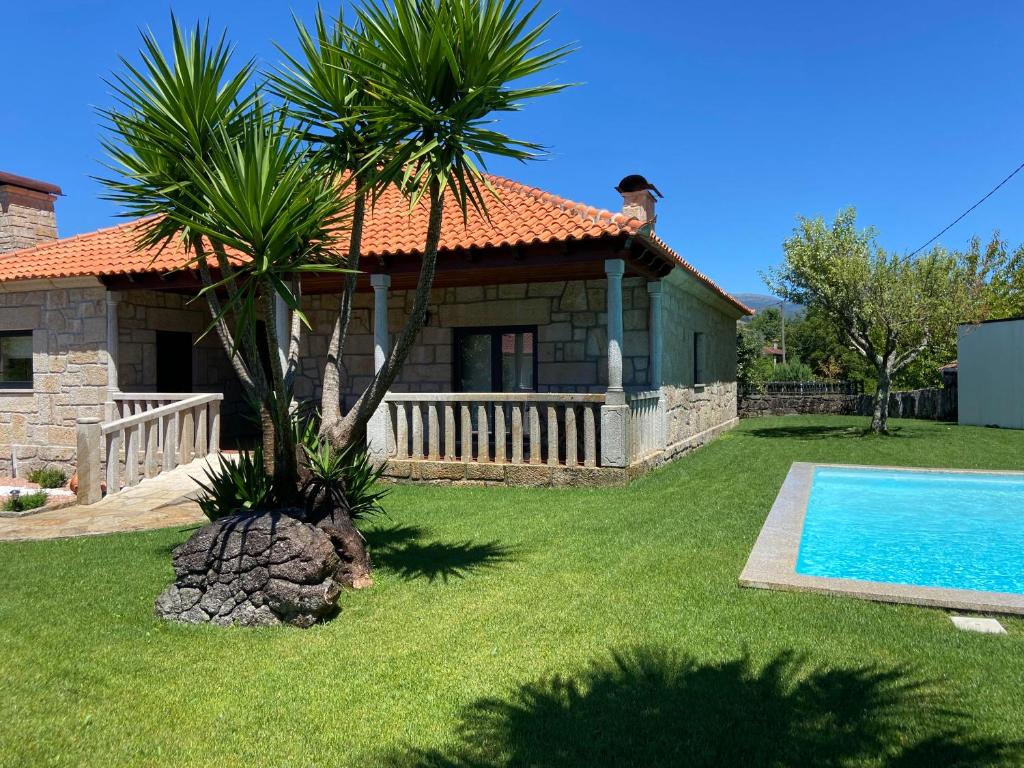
(646, 424)
(153, 433)
(557, 429)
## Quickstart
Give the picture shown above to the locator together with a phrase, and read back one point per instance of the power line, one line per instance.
(964, 214)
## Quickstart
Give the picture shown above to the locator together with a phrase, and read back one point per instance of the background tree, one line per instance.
(888, 308)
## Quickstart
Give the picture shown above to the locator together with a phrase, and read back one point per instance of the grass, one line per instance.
(525, 627)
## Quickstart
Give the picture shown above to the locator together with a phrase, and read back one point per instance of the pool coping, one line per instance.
(772, 562)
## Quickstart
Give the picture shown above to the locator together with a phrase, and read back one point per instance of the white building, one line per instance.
(991, 373)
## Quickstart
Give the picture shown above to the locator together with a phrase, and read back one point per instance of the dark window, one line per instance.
(698, 358)
(499, 359)
(173, 361)
(16, 359)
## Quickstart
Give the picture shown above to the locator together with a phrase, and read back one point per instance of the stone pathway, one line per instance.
(158, 502)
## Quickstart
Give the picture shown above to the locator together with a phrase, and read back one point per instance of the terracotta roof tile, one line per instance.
(520, 215)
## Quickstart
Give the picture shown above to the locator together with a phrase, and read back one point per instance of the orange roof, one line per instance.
(521, 215)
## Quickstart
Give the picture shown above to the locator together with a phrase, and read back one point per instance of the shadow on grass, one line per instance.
(402, 549)
(652, 707)
(821, 432)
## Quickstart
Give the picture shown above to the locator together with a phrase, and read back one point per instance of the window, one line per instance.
(501, 359)
(16, 359)
(698, 358)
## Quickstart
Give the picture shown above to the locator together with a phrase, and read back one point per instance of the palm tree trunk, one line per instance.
(285, 465)
(330, 400)
(352, 427)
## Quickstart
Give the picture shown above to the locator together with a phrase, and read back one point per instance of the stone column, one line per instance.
(615, 411)
(656, 337)
(378, 429)
(88, 460)
(113, 339)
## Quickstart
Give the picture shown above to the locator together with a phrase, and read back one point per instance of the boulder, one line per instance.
(255, 570)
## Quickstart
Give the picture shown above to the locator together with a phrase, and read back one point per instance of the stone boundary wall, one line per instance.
(938, 404)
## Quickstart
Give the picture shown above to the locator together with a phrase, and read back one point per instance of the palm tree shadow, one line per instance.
(652, 707)
(402, 549)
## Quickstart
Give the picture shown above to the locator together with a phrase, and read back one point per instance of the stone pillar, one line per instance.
(615, 411)
(656, 337)
(88, 460)
(378, 429)
(113, 340)
(283, 325)
(655, 291)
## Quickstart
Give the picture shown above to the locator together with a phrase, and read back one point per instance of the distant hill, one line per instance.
(758, 301)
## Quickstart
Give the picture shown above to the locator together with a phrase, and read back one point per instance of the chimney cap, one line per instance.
(13, 180)
(636, 183)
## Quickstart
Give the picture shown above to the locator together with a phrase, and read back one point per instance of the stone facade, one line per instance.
(571, 335)
(26, 218)
(68, 324)
(694, 407)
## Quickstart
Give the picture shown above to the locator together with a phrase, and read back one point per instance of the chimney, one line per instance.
(26, 212)
(638, 198)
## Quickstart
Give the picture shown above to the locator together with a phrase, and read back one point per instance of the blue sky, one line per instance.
(745, 114)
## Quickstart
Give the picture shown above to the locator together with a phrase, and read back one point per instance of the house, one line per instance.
(564, 344)
(773, 353)
(990, 373)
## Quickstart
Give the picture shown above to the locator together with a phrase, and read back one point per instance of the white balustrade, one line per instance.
(151, 432)
(646, 424)
(557, 429)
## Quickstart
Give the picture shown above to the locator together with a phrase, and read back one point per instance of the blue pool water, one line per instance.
(933, 529)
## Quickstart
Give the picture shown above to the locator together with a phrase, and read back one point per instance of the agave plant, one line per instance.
(342, 478)
(238, 486)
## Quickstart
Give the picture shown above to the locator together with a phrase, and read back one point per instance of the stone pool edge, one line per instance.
(772, 562)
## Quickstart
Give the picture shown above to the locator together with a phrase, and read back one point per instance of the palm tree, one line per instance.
(197, 151)
(323, 90)
(437, 71)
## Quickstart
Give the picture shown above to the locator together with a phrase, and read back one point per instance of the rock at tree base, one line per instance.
(255, 571)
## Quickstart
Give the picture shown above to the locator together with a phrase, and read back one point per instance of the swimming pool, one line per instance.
(956, 530)
(932, 537)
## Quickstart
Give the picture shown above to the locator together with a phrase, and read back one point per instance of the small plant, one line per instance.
(346, 478)
(238, 486)
(48, 478)
(18, 502)
(793, 370)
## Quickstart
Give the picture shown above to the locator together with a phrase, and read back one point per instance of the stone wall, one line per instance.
(571, 335)
(26, 218)
(938, 404)
(68, 324)
(691, 407)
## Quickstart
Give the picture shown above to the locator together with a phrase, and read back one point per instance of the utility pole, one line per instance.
(782, 319)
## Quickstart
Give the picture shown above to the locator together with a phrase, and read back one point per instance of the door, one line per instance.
(499, 359)
(173, 361)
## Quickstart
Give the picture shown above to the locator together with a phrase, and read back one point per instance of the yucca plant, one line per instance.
(437, 71)
(224, 173)
(323, 89)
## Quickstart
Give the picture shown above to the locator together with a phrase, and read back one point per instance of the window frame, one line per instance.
(21, 385)
(496, 332)
(699, 358)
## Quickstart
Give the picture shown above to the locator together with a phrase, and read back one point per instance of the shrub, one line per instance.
(793, 370)
(22, 502)
(346, 477)
(237, 486)
(48, 478)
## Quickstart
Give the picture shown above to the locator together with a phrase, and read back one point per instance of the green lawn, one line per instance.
(525, 627)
